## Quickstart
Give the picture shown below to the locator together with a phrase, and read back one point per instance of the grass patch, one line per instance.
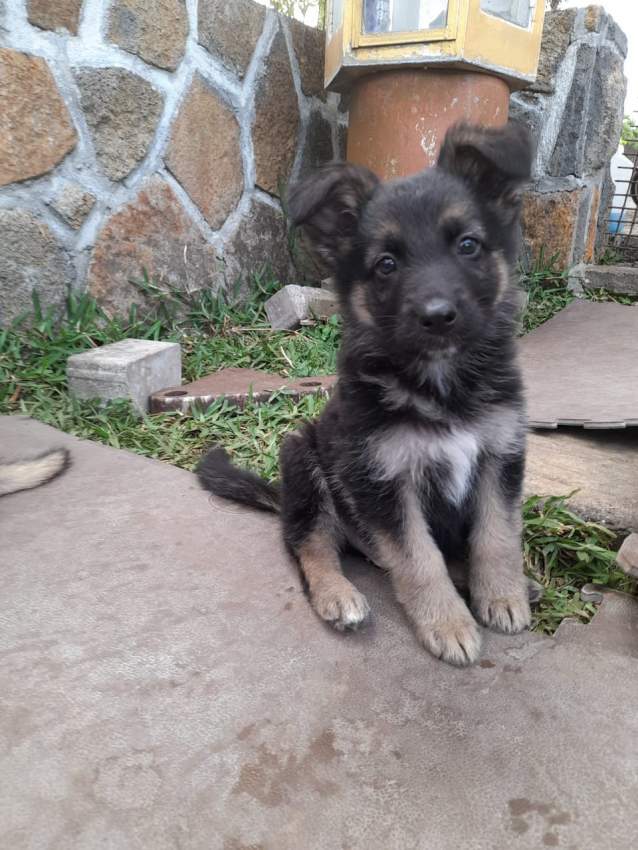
(561, 550)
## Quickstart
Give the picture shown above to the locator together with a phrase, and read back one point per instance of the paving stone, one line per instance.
(620, 279)
(36, 132)
(55, 14)
(628, 555)
(260, 242)
(229, 30)
(31, 259)
(73, 204)
(153, 233)
(122, 111)
(287, 308)
(237, 386)
(204, 153)
(309, 46)
(276, 126)
(161, 667)
(154, 30)
(601, 466)
(131, 368)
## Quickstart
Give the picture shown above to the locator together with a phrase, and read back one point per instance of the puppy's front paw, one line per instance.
(456, 641)
(340, 603)
(508, 614)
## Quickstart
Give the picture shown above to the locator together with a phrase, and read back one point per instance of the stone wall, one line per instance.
(151, 136)
(575, 111)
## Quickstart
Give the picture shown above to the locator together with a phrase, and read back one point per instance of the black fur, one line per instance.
(217, 474)
(422, 268)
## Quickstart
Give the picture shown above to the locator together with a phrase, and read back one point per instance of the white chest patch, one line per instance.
(409, 451)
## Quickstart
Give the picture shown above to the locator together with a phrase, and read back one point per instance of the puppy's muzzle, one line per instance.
(437, 316)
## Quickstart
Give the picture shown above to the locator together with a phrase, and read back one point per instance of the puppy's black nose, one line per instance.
(437, 315)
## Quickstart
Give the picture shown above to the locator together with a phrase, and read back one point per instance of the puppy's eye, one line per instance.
(386, 265)
(468, 246)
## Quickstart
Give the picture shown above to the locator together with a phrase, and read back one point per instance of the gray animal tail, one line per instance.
(27, 474)
(218, 475)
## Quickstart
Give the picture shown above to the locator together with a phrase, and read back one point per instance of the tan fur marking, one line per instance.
(423, 586)
(498, 586)
(333, 597)
(503, 275)
(359, 305)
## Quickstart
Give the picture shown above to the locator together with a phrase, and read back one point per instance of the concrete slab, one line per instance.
(581, 367)
(602, 466)
(614, 628)
(164, 685)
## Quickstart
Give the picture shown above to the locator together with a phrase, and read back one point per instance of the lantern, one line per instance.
(411, 68)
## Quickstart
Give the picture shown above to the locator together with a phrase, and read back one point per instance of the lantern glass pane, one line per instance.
(336, 16)
(404, 15)
(517, 12)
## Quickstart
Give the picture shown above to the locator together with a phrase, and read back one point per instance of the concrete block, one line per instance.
(287, 308)
(620, 279)
(627, 558)
(132, 368)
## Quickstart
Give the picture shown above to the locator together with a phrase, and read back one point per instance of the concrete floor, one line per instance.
(163, 684)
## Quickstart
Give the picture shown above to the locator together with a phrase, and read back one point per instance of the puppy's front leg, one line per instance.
(441, 619)
(498, 586)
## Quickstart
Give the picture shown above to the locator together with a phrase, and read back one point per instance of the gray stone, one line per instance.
(613, 630)
(132, 369)
(557, 36)
(617, 37)
(154, 30)
(620, 279)
(122, 111)
(605, 111)
(259, 244)
(567, 157)
(528, 109)
(31, 260)
(342, 141)
(627, 558)
(293, 304)
(276, 125)
(165, 684)
(229, 29)
(318, 147)
(73, 204)
(309, 45)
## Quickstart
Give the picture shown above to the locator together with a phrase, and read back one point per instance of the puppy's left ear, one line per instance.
(493, 161)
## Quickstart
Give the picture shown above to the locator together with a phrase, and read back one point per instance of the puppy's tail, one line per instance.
(218, 475)
(27, 474)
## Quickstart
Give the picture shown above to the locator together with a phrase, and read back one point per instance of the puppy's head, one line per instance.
(423, 263)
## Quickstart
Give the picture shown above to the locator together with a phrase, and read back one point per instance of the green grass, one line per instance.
(562, 551)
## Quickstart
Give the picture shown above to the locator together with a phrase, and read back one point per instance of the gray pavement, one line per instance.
(163, 684)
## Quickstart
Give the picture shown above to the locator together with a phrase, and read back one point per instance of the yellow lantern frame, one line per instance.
(472, 39)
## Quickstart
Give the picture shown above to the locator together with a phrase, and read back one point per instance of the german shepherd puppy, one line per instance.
(418, 458)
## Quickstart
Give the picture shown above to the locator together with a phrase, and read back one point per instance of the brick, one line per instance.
(287, 308)
(36, 132)
(132, 368)
(627, 558)
(204, 153)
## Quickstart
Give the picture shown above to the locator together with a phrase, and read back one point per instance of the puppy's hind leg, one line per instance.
(310, 531)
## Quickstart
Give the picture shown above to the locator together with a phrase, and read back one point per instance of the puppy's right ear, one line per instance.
(328, 206)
